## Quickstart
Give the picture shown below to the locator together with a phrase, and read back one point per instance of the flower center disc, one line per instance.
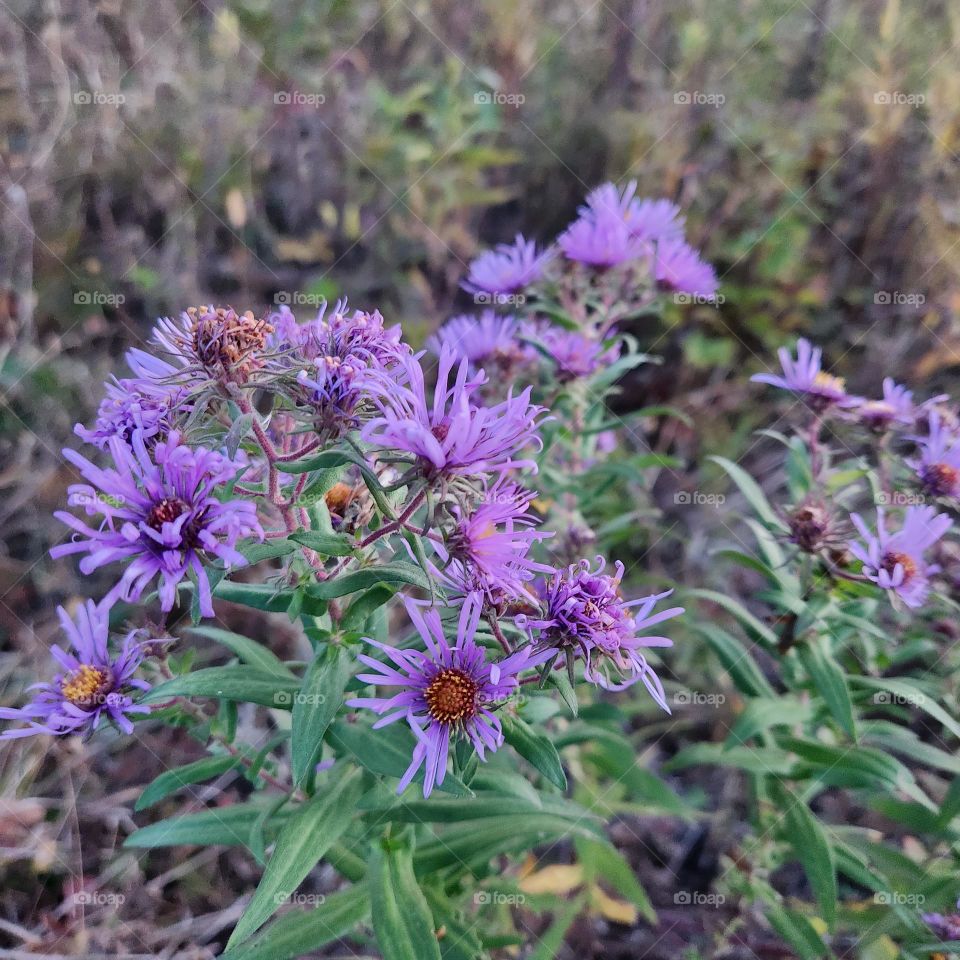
(940, 478)
(86, 686)
(166, 511)
(451, 696)
(826, 381)
(890, 561)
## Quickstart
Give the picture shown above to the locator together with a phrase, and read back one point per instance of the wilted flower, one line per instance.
(487, 551)
(805, 376)
(215, 343)
(452, 436)
(586, 615)
(507, 268)
(895, 407)
(895, 561)
(445, 692)
(677, 266)
(939, 465)
(132, 404)
(93, 683)
(645, 219)
(489, 341)
(574, 354)
(161, 513)
(813, 527)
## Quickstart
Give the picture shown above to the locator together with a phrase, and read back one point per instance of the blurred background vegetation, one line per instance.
(161, 153)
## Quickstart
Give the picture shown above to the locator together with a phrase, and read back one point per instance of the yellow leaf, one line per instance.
(236, 208)
(560, 878)
(619, 911)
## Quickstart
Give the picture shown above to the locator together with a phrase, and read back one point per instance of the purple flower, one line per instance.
(507, 268)
(939, 465)
(342, 350)
(161, 513)
(947, 927)
(805, 376)
(93, 683)
(135, 404)
(645, 219)
(601, 238)
(895, 561)
(214, 344)
(574, 354)
(895, 407)
(677, 266)
(490, 341)
(585, 614)
(487, 551)
(444, 692)
(452, 436)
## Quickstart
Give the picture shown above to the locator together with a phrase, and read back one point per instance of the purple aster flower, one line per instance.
(445, 692)
(947, 927)
(161, 513)
(574, 354)
(135, 404)
(601, 238)
(507, 268)
(585, 614)
(214, 344)
(453, 436)
(646, 219)
(488, 341)
(677, 266)
(895, 407)
(895, 561)
(93, 683)
(939, 465)
(805, 376)
(487, 550)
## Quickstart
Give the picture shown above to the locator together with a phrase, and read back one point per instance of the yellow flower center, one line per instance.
(86, 687)
(890, 561)
(827, 381)
(451, 696)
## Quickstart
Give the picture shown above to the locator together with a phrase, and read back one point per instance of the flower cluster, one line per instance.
(898, 559)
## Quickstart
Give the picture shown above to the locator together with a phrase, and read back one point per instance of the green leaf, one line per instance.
(808, 840)
(397, 571)
(736, 660)
(481, 807)
(170, 781)
(237, 682)
(337, 458)
(386, 751)
(301, 932)
(255, 552)
(238, 430)
(759, 631)
(762, 714)
(250, 651)
(301, 843)
(830, 682)
(316, 705)
(227, 826)
(259, 596)
(356, 615)
(402, 920)
(767, 760)
(604, 862)
(911, 695)
(797, 930)
(326, 544)
(536, 748)
(751, 490)
(550, 942)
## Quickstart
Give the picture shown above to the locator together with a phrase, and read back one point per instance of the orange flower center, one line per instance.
(890, 561)
(451, 696)
(940, 478)
(87, 686)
